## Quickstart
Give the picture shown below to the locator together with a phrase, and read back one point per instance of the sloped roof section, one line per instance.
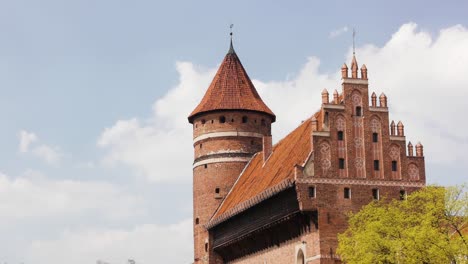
(279, 168)
(231, 89)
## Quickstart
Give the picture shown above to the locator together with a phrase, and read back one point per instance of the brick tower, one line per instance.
(230, 125)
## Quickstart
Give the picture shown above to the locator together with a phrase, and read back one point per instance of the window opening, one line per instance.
(244, 119)
(340, 135)
(376, 165)
(358, 111)
(341, 163)
(394, 165)
(312, 192)
(347, 193)
(375, 137)
(222, 119)
(375, 194)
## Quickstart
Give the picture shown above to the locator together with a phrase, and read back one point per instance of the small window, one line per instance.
(212, 121)
(197, 221)
(206, 247)
(394, 165)
(358, 111)
(375, 137)
(232, 120)
(341, 163)
(203, 121)
(402, 195)
(375, 194)
(325, 121)
(201, 145)
(222, 119)
(217, 190)
(340, 135)
(263, 122)
(376, 165)
(206, 166)
(347, 193)
(252, 142)
(312, 192)
(244, 119)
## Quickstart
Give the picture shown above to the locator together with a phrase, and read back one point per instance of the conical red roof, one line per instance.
(231, 89)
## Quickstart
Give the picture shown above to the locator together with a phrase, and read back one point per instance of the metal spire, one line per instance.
(354, 36)
(231, 48)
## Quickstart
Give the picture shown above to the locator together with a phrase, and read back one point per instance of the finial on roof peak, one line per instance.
(231, 47)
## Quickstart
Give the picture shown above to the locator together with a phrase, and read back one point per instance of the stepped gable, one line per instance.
(231, 89)
(258, 176)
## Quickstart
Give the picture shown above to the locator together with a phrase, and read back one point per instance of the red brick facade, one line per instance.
(340, 159)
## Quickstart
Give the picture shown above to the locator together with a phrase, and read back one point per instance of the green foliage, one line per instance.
(429, 227)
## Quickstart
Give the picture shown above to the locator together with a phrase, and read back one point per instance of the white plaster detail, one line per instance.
(359, 182)
(356, 98)
(397, 138)
(359, 163)
(321, 133)
(340, 124)
(375, 125)
(314, 258)
(325, 156)
(215, 160)
(227, 134)
(378, 109)
(394, 152)
(334, 106)
(413, 171)
(357, 123)
(358, 142)
(355, 81)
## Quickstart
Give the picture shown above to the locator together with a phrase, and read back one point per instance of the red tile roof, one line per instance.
(231, 89)
(258, 177)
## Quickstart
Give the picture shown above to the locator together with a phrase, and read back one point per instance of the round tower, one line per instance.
(228, 127)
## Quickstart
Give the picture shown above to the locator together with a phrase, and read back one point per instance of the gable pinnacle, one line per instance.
(231, 47)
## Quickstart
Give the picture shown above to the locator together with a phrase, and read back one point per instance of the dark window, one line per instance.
(311, 192)
(222, 119)
(212, 121)
(341, 163)
(347, 193)
(376, 165)
(232, 120)
(217, 190)
(244, 119)
(197, 221)
(206, 247)
(340, 135)
(206, 166)
(255, 121)
(325, 121)
(394, 165)
(402, 195)
(263, 122)
(375, 194)
(201, 145)
(358, 111)
(252, 142)
(375, 137)
(203, 121)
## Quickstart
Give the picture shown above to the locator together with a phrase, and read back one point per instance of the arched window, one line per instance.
(244, 119)
(222, 119)
(358, 111)
(300, 257)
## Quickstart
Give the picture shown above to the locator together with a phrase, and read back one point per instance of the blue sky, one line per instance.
(96, 85)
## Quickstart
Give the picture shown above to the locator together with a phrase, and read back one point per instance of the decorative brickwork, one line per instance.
(287, 203)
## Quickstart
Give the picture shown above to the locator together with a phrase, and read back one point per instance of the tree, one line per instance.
(430, 226)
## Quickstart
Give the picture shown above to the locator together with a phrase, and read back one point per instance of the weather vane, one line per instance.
(354, 36)
(232, 25)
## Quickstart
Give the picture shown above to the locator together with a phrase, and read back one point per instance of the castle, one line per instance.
(258, 203)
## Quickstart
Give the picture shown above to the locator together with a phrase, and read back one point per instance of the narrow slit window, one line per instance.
(358, 111)
(347, 193)
(244, 119)
(340, 135)
(375, 137)
(312, 192)
(376, 165)
(206, 247)
(206, 166)
(341, 163)
(197, 221)
(222, 119)
(394, 165)
(402, 195)
(375, 194)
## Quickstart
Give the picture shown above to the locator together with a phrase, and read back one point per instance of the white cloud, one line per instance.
(335, 33)
(423, 76)
(35, 196)
(49, 154)
(144, 244)
(26, 138)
